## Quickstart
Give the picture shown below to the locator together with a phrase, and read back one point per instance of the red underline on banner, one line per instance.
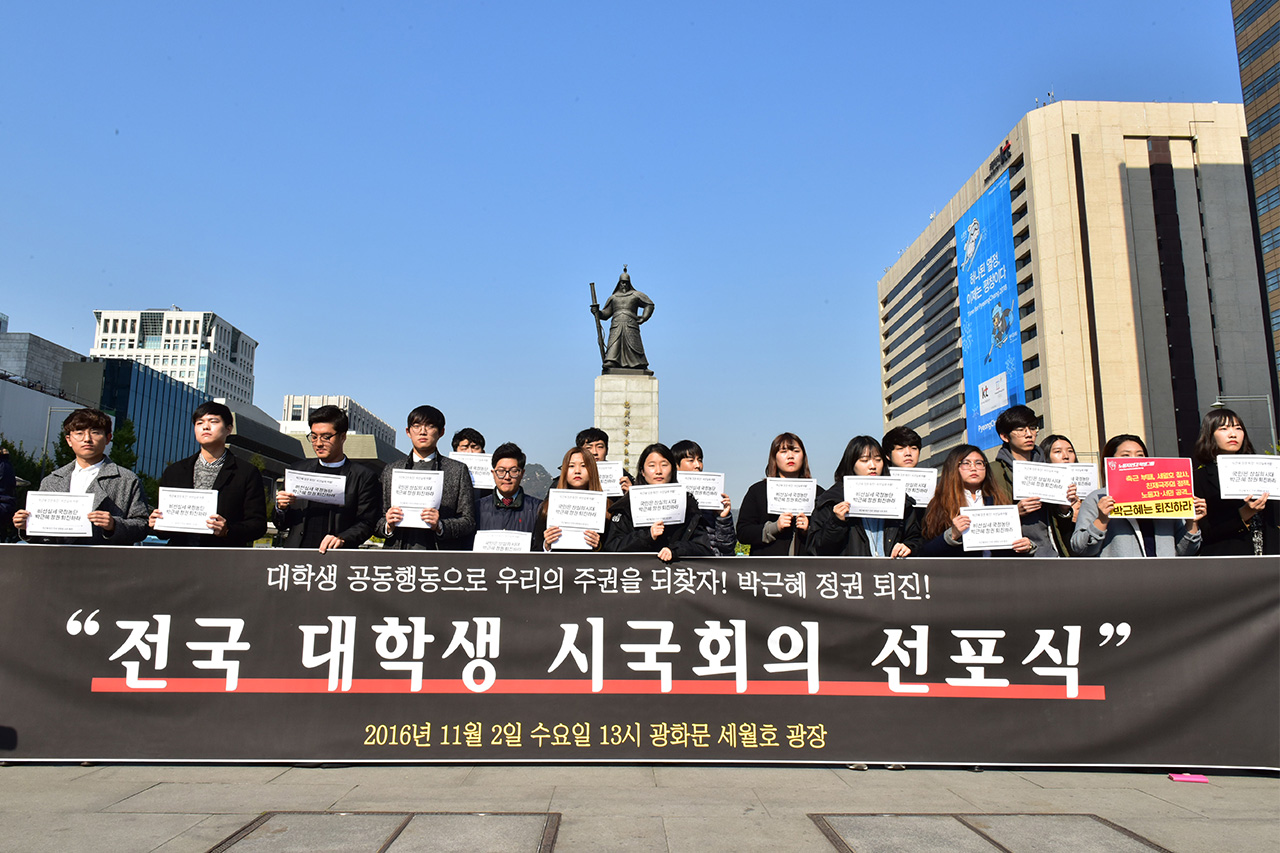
(610, 686)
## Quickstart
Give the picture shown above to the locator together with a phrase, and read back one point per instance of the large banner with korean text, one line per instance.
(172, 654)
(990, 328)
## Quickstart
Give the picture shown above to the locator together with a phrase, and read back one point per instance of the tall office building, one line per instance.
(1258, 45)
(1100, 267)
(297, 407)
(197, 348)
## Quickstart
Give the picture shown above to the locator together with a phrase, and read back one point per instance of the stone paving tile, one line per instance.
(226, 798)
(748, 777)
(429, 776)
(184, 773)
(1208, 836)
(48, 831)
(664, 802)
(1091, 779)
(471, 833)
(1212, 801)
(206, 834)
(1057, 832)
(892, 833)
(591, 775)
(1111, 803)
(75, 795)
(411, 798)
(320, 833)
(696, 835)
(57, 772)
(615, 834)
(904, 799)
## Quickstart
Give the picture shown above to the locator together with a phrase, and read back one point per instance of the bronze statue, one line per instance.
(626, 308)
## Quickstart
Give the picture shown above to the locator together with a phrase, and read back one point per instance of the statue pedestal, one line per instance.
(627, 409)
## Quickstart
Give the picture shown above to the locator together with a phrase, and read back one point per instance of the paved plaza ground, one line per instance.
(658, 808)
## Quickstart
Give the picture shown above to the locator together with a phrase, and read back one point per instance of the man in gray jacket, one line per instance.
(449, 528)
(119, 515)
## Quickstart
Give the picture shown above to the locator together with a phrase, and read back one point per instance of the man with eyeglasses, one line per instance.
(451, 526)
(323, 526)
(119, 515)
(507, 507)
(1018, 427)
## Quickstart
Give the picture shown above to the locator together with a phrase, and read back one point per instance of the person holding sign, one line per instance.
(1058, 450)
(324, 524)
(776, 534)
(901, 446)
(837, 530)
(596, 442)
(241, 515)
(1017, 427)
(673, 541)
(447, 528)
(507, 507)
(1232, 526)
(467, 440)
(1097, 534)
(719, 522)
(577, 471)
(966, 481)
(119, 514)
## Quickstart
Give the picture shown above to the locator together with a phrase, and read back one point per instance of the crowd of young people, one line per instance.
(1084, 527)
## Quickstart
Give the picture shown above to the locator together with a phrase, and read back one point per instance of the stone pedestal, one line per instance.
(627, 409)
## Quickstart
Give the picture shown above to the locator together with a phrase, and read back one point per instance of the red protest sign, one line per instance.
(1150, 487)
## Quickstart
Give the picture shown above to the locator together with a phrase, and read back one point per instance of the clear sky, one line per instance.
(405, 202)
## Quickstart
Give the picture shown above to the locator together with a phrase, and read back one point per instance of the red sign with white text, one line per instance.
(1150, 487)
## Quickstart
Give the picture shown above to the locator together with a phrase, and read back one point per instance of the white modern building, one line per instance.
(197, 348)
(297, 407)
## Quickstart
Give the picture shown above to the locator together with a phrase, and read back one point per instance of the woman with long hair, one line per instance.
(1058, 450)
(771, 534)
(1097, 534)
(672, 541)
(833, 531)
(966, 479)
(1231, 527)
(577, 471)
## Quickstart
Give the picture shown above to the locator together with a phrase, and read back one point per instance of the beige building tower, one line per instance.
(1139, 299)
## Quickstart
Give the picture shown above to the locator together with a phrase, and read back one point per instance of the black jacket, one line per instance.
(241, 501)
(753, 518)
(457, 509)
(1222, 533)
(685, 540)
(831, 537)
(308, 522)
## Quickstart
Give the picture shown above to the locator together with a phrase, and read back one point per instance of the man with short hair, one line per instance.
(507, 507)
(119, 515)
(596, 442)
(468, 440)
(1017, 427)
(724, 539)
(901, 446)
(453, 523)
(242, 504)
(320, 525)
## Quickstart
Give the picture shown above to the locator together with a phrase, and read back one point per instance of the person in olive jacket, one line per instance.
(242, 505)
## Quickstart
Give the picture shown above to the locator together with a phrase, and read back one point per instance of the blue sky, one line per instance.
(404, 202)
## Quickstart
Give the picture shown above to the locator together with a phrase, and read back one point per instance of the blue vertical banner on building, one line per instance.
(991, 336)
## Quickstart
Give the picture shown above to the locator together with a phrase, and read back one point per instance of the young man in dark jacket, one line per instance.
(507, 507)
(452, 525)
(321, 525)
(1018, 427)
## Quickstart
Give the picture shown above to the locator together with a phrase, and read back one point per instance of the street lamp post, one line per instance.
(1223, 399)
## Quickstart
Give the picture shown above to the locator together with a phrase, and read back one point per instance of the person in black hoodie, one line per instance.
(672, 541)
(771, 534)
(834, 532)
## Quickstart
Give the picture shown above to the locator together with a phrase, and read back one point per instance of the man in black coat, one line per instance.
(311, 524)
(242, 505)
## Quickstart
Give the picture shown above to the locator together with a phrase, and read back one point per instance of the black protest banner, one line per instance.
(168, 654)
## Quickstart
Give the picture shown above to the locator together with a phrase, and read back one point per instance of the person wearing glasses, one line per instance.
(1018, 427)
(451, 526)
(120, 510)
(964, 480)
(507, 507)
(308, 524)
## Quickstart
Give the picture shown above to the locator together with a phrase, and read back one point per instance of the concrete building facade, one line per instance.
(35, 360)
(1139, 299)
(298, 407)
(197, 348)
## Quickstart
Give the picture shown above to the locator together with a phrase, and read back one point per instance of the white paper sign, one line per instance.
(991, 528)
(572, 539)
(480, 465)
(876, 497)
(1243, 476)
(59, 513)
(921, 483)
(502, 541)
(1085, 477)
(414, 491)
(1041, 480)
(610, 478)
(788, 495)
(187, 510)
(665, 503)
(577, 508)
(706, 488)
(321, 488)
